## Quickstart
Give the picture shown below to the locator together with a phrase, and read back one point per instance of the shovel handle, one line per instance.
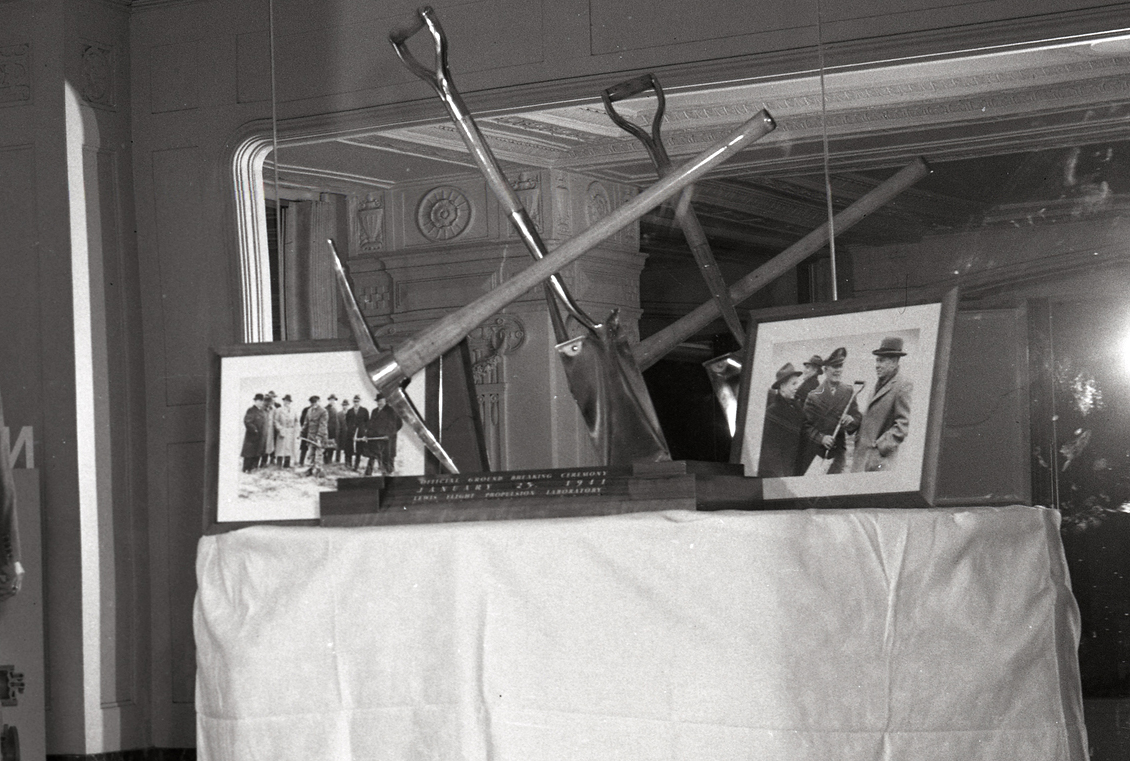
(653, 142)
(684, 212)
(441, 81)
(399, 39)
(857, 387)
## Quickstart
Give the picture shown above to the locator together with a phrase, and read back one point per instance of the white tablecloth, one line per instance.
(836, 634)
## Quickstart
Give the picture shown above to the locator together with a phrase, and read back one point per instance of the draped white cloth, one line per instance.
(787, 635)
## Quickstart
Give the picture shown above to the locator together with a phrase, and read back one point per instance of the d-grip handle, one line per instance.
(653, 143)
(631, 87)
(425, 17)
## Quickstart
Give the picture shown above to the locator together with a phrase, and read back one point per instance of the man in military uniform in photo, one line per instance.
(360, 423)
(780, 437)
(887, 416)
(254, 434)
(380, 438)
(829, 406)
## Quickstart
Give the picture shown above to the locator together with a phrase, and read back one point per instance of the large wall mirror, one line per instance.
(1027, 209)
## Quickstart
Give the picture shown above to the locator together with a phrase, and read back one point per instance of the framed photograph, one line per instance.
(287, 419)
(844, 408)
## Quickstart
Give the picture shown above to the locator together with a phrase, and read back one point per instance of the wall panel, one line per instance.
(185, 484)
(619, 25)
(176, 194)
(174, 77)
(324, 59)
(19, 287)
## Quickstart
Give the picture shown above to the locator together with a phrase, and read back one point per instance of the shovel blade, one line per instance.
(820, 466)
(610, 392)
(725, 375)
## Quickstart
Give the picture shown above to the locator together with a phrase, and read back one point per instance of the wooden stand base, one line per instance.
(558, 493)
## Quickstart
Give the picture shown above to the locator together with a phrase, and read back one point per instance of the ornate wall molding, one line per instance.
(527, 186)
(562, 220)
(501, 335)
(368, 222)
(374, 293)
(15, 75)
(99, 75)
(491, 405)
(597, 205)
(443, 213)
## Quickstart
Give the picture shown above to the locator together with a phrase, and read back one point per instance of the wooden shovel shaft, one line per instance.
(656, 346)
(426, 346)
(707, 264)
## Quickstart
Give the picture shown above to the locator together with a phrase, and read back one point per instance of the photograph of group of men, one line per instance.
(820, 420)
(277, 434)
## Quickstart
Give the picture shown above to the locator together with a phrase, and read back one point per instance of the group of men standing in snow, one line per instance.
(275, 433)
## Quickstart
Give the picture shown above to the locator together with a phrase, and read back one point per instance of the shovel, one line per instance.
(390, 370)
(822, 462)
(684, 212)
(602, 376)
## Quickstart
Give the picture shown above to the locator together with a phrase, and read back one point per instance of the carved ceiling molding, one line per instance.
(799, 122)
(318, 178)
(528, 124)
(388, 143)
(877, 116)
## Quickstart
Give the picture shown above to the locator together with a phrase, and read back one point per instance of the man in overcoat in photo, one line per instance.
(316, 432)
(269, 407)
(361, 422)
(809, 378)
(304, 432)
(286, 432)
(380, 435)
(334, 421)
(254, 434)
(829, 406)
(780, 437)
(887, 416)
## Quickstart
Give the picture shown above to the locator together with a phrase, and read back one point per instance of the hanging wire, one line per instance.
(275, 167)
(824, 137)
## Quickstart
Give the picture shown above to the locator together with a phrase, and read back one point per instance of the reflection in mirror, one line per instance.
(725, 377)
(1086, 460)
(1027, 209)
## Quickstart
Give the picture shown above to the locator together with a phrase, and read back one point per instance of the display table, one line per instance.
(787, 635)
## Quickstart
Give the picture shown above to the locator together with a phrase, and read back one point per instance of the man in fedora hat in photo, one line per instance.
(887, 416)
(809, 378)
(780, 438)
(830, 416)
